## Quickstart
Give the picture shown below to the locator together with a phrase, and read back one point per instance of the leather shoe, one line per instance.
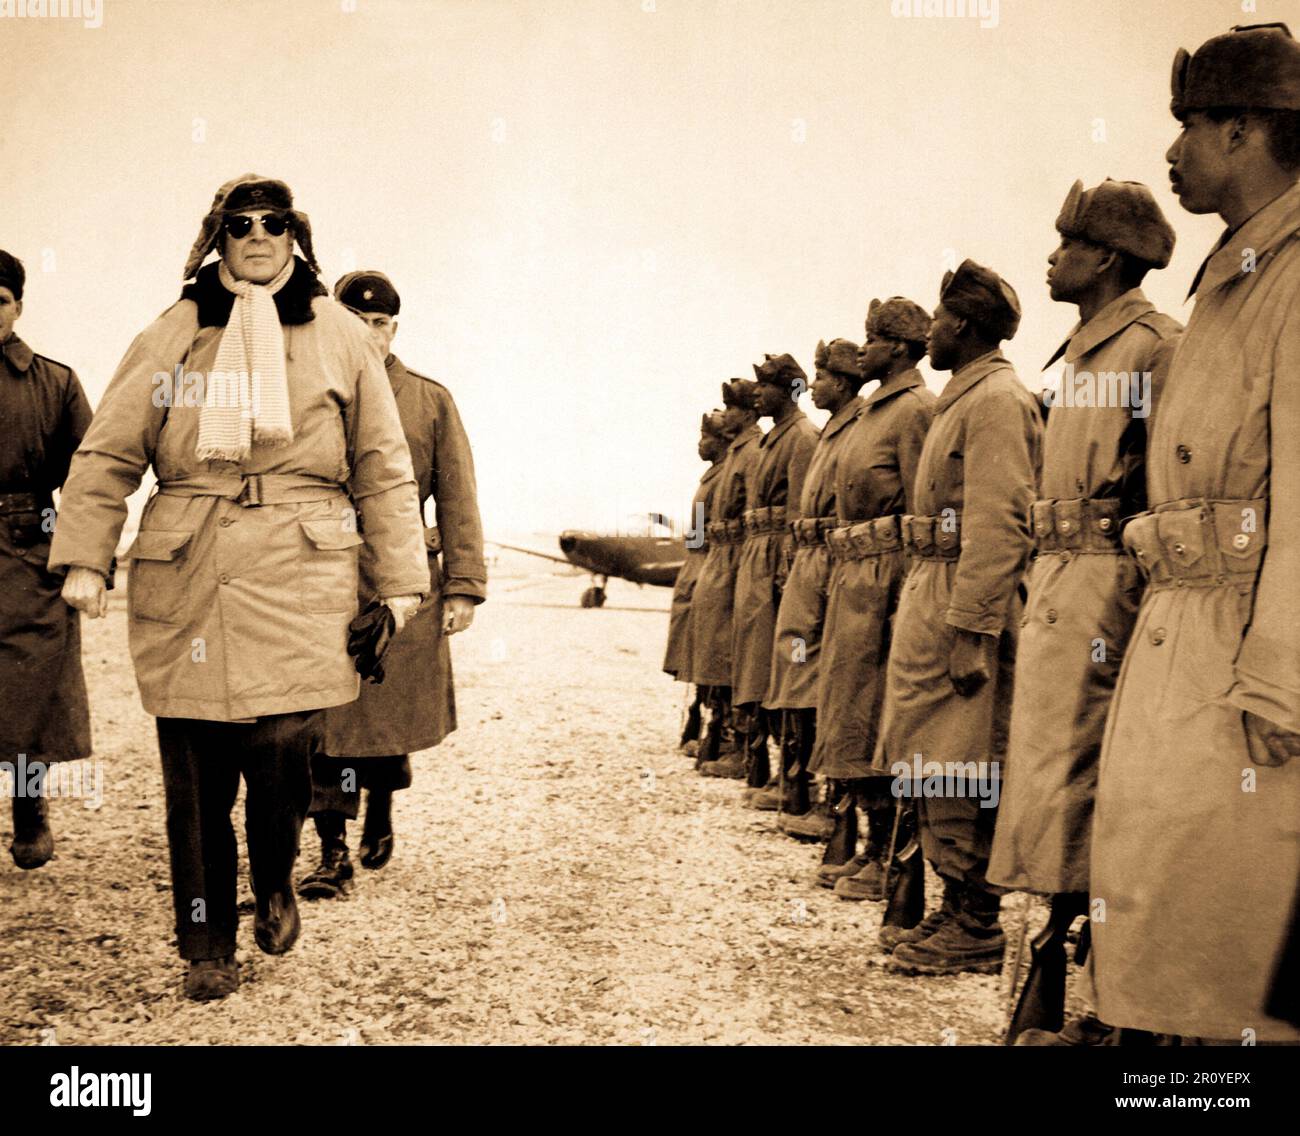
(276, 924)
(209, 979)
(376, 851)
(33, 843)
(330, 879)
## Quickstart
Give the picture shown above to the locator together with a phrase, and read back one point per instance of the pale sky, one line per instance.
(595, 210)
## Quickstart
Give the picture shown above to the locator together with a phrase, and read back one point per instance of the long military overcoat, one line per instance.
(874, 478)
(1083, 598)
(1196, 850)
(236, 611)
(415, 706)
(776, 480)
(677, 654)
(43, 709)
(978, 472)
(797, 646)
(712, 600)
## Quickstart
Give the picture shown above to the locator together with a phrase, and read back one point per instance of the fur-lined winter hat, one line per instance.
(898, 318)
(740, 393)
(251, 191)
(712, 425)
(1121, 215)
(979, 294)
(839, 357)
(1254, 67)
(780, 371)
(12, 274)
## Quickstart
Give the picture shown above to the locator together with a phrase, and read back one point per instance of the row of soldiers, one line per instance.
(870, 595)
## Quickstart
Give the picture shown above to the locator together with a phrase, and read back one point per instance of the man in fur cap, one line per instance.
(948, 685)
(243, 576)
(1083, 588)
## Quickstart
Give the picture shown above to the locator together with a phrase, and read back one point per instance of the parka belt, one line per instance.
(809, 532)
(725, 532)
(866, 538)
(1199, 543)
(1080, 524)
(933, 538)
(254, 489)
(759, 522)
(25, 501)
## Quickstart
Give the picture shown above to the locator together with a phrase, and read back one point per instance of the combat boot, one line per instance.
(770, 799)
(732, 766)
(33, 842)
(209, 979)
(827, 874)
(1087, 1030)
(868, 883)
(377, 832)
(893, 936)
(970, 941)
(814, 823)
(329, 879)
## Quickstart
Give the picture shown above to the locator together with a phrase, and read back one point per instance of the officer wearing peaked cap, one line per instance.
(1208, 702)
(368, 742)
(948, 685)
(1083, 589)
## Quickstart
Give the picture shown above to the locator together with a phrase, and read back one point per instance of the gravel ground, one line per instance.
(561, 875)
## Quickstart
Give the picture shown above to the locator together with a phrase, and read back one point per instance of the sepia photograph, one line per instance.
(627, 523)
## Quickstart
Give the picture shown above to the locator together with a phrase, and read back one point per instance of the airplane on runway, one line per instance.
(654, 557)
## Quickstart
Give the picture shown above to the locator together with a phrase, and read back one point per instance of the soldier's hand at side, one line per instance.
(402, 607)
(1268, 743)
(970, 664)
(457, 614)
(84, 590)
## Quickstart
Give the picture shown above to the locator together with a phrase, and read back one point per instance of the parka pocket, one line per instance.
(156, 591)
(329, 580)
(1183, 536)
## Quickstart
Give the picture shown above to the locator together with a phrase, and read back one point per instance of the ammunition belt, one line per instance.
(808, 532)
(933, 538)
(866, 538)
(760, 522)
(1199, 543)
(1082, 524)
(724, 532)
(25, 501)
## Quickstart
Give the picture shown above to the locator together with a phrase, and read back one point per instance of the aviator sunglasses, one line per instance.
(240, 226)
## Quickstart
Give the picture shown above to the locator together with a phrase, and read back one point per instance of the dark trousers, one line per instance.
(201, 764)
(336, 782)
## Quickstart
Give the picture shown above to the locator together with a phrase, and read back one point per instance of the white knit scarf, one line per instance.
(247, 397)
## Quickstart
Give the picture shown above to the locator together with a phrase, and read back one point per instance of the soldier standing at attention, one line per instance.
(874, 478)
(796, 652)
(775, 483)
(44, 715)
(368, 742)
(948, 685)
(1083, 588)
(712, 448)
(712, 601)
(1196, 836)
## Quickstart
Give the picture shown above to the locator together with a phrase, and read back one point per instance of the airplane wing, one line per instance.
(531, 552)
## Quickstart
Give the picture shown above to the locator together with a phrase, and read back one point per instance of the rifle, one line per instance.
(692, 717)
(843, 844)
(1284, 989)
(905, 892)
(1041, 1004)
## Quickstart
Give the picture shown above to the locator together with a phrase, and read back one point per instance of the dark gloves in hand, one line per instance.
(368, 638)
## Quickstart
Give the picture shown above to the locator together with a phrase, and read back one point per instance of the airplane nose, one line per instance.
(568, 542)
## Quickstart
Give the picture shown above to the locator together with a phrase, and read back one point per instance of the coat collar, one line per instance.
(845, 416)
(709, 474)
(1110, 321)
(895, 384)
(1278, 221)
(397, 372)
(748, 434)
(783, 427)
(292, 302)
(968, 376)
(18, 353)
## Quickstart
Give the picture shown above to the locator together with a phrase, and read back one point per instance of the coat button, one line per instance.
(1066, 526)
(1105, 524)
(1184, 454)
(1179, 548)
(1051, 615)
(226, 522)
(1240, 541)
(224, 578)
(1157, 636)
